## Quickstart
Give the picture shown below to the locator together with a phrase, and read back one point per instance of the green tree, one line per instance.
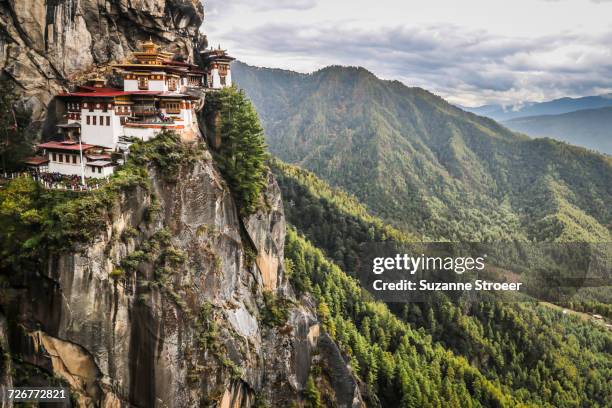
(242, 154)
(312, 394)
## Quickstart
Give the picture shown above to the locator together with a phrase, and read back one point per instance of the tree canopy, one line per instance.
(241, 155)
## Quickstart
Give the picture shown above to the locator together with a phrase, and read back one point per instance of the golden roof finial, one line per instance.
(149, 46)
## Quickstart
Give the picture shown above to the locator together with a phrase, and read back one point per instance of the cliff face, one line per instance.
(166, 308)
(178, 302)
(43, 44)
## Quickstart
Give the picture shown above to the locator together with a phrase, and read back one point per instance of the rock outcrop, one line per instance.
(167, 305)
(44, 44)
(167, 333)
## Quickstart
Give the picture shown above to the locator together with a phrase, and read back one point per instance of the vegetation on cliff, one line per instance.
(241, 155)
(35, 221)
(400, 365)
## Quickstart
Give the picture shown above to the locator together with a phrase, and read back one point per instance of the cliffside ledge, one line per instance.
(46, 44)
(153, 292)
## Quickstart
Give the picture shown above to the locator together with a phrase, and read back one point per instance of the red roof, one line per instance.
(179, 63)
(106, 93)
(96, 89)
(36, 160)
(71, 146)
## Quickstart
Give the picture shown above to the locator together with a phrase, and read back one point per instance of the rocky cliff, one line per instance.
(172, 299)
(45, 43)
(177, 302)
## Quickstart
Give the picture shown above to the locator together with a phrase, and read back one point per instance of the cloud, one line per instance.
(215, 6)
(466, 66)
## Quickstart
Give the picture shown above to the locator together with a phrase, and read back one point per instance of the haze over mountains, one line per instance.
(555, 107)
(591, 128)
(581, 121)
(427, 166)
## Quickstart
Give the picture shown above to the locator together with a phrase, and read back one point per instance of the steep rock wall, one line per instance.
(144, 338)
(182, 326)
(44, 43)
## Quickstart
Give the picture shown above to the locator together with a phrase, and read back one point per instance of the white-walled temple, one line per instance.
(218, 70)
(157, 93)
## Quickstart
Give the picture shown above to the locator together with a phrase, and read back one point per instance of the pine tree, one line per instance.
(242, 155)
(311, 394)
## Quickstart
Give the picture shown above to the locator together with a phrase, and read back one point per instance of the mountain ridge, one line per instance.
(589, 128)
(553, 107)
(425, 165)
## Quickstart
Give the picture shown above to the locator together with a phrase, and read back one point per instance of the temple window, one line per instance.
(172, 84)
(143, 83)
(74, 159)
(88, 120)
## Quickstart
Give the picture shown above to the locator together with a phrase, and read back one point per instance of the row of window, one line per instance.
(173, 107)
(71, 158)
(64, 158)
(143, 82)
(93, 120)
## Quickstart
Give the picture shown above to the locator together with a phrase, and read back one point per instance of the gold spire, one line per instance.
(149, 46)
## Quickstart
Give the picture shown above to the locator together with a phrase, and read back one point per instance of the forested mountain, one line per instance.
(518, 353)
(425, 165)
(554, 107)
(591, 128)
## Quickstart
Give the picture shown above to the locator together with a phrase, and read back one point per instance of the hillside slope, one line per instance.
(590, 128)
(427, 166)
(499, 339)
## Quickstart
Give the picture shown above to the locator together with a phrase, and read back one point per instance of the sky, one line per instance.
(471, 52)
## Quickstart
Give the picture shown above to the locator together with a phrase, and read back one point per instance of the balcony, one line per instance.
(152, 120)
(144, 110)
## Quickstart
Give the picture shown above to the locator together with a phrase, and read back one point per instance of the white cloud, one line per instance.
(218, 6)
(470, 61)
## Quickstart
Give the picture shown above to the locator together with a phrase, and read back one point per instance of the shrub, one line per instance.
(276, 310)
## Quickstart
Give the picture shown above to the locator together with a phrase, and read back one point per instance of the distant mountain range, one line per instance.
(591, 128)
(581, 121)
(427, 166)
(555, 107)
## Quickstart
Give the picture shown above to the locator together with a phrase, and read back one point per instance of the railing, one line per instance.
(144, 111)
(50, 184)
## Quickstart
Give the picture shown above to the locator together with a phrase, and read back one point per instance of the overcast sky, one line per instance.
(469, 51)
